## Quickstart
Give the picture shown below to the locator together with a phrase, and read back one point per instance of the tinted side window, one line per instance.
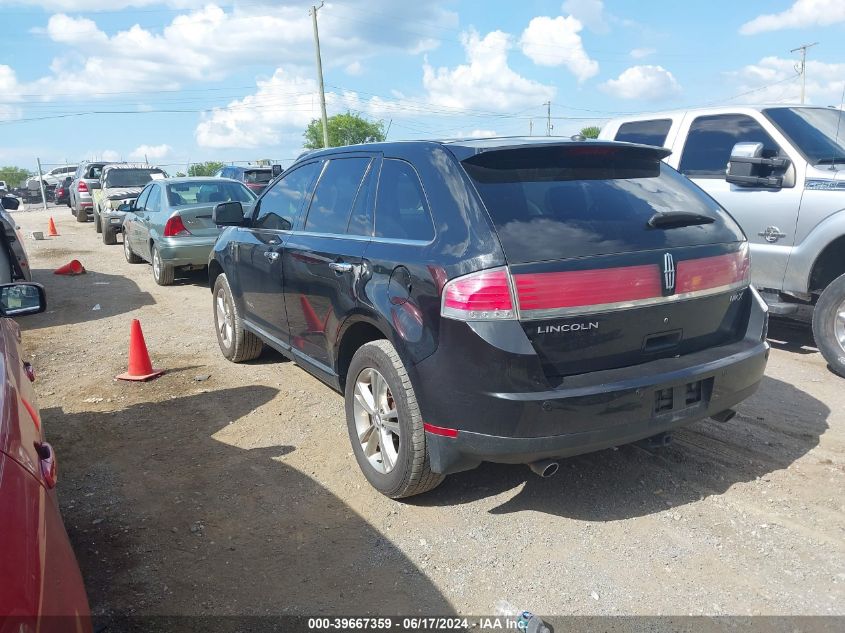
(280, 204)
(645, 132)
(361, 220)
(334, 195)
(401, 209)
(711, 139)
(153, 204)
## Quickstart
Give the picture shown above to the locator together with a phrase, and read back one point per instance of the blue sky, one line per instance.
(192, 80)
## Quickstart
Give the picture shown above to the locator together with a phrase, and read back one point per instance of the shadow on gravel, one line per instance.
(792, 336)
(777, 426)
(71, 299)
(168, 519)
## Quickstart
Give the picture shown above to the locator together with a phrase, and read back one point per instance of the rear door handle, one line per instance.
(341, 267)
(271, 255)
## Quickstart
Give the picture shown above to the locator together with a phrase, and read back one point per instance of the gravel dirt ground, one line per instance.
(232, 489)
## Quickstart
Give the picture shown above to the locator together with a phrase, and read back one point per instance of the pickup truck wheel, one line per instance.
(109, 236)
(162, 273)
(829, 325)
(131, 257)
(385, 425)
(235, 342)
(97, 224)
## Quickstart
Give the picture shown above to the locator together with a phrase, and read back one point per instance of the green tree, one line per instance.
(14, 176)
(208, 168)
(591, 131)
(344, 129)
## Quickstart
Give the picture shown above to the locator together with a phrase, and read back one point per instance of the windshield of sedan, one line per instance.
(813, 131)
(186, 193)
(130, 177)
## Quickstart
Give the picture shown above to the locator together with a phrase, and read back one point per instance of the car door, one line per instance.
(132, 223)
(152, 216)
(768, 216)
(322, 260)
(259, 252)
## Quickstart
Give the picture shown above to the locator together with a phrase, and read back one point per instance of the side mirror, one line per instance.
(68, 180)
(19, 299)
(228, 214)
(749, 168)
(277, 170)
(9, 203)
(125, 207)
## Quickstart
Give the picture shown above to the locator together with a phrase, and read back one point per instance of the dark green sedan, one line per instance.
(169, 224)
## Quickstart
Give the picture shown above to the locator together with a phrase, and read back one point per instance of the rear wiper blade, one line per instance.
(671, 219)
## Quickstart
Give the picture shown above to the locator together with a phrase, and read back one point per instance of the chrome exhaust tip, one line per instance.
(544, 468)
(724, 416)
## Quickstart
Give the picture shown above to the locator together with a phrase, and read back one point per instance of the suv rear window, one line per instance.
(130, 177)
(550, 203)
(258, 176)
(652, 132)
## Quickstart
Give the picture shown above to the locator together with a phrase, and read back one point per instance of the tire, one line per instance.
(81, 215)
(162, 273)
(97, 224)
(829, 325)
(236, 344)
(410, 473)
(131, 257)
(109, 236)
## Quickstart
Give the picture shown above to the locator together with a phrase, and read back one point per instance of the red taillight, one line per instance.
(549, 291)
(439, 430)
(82, 186)
(481, 296)
(175, 227)
(713, 272)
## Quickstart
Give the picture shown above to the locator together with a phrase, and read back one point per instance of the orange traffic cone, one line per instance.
(140, 367)
(74, 267)
(51, 229)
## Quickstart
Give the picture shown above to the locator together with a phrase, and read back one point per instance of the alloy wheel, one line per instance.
(376, 420)
(839, 325)
(225, 319)
(156, 263)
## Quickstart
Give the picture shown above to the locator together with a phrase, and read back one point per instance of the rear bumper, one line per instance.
(597, 410)
(186, 251)
(112, 219)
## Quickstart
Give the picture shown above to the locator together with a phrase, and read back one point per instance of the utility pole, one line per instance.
(313, 12)
(530, 127)
(802, 67)
(549, 126)
(41, 184)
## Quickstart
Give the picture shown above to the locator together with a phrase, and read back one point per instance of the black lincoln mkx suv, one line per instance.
(508, 300)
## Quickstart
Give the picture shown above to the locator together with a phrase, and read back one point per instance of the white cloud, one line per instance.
(354, 69)
(210, 43)
(774, 80)
(555, 42)
(474, 134)
(9, 89)
(642, 53)
(589, 12)
(81, 6)
(485, 81)
(150, 152)
(802, 14)
(648, 83)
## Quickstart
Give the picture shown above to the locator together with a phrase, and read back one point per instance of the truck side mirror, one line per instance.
(277, 170)
(749, 168)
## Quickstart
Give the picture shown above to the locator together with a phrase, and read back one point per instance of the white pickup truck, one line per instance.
(780, 172)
